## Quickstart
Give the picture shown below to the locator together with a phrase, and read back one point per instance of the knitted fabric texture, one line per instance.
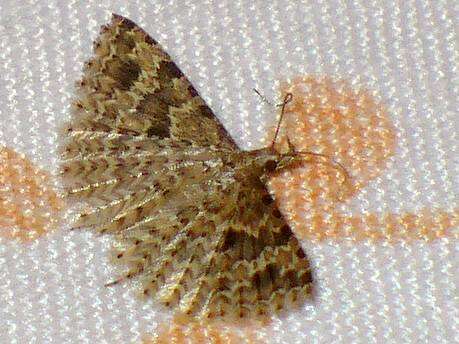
(375, 88)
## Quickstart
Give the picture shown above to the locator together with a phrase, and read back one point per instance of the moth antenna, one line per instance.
(291, 147)
(263, 98)
(287, 99)
(331, 161)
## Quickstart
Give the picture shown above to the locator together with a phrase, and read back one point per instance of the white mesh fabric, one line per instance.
(52, 290)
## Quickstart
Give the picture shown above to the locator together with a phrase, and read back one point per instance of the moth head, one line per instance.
(273, 164)
(293, 158)
(277, 163)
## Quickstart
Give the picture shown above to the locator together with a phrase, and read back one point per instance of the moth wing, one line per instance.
(258, 266)
(131, 86)
(232, 255)
(199, 240)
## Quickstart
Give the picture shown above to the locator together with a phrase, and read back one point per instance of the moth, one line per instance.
(193, 220)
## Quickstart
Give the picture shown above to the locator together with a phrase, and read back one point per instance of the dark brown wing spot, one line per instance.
(270, 165)
(156, 110)
(247, 246)
(124, 72)
(277, 213)
(290, 278)
(96, 45)
(272, 271)
(306, 278)
(285, 234)
(129, 24)
(129, 74)
(223, 283)
(124, 44)
(150, 40)
(184, 221)
(257, 281)
(300, 253)
(193, 91)
(169, 70)
(230, 240)
(267, 199)
(206, 111)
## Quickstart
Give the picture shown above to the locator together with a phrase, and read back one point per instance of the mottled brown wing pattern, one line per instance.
(192, 219)
(259, 267)
(132, 86)
(219, 249)
(132, 101)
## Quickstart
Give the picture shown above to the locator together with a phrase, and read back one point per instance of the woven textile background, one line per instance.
(52, 289)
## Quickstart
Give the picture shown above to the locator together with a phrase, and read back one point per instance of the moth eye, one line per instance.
(270, 165)
(267, 199)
